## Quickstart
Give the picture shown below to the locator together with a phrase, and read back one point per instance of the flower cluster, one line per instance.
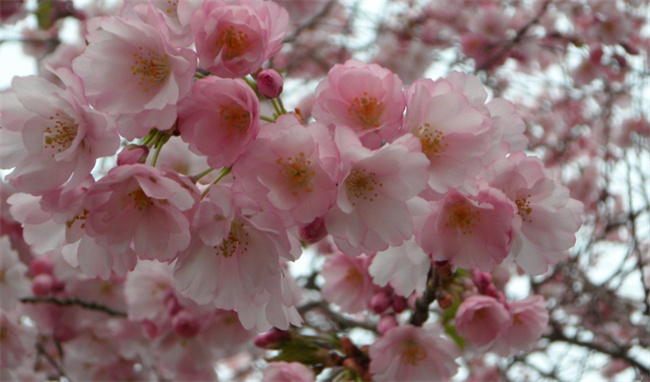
(403, 186)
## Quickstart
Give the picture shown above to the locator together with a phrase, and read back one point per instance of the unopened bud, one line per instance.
(380, 302)
(42, 284)
(185, 324)
(269, 83)
(314, 231)
(399, 304)
(271, 339)
(132, 154)
(386, 323)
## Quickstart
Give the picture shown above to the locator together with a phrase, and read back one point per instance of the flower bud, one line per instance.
(399, 304)
(269, 83)
(314, 231)
(42, 284)
(380, 302)
(185, 324)
(386, 323)
(270, 339)
(132, 154)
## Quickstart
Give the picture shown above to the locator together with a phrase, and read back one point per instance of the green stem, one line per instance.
(284, 111)
(278, 111)
(224, 171)
(200, 175)
(267, 119)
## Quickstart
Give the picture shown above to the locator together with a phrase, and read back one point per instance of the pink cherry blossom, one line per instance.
(50, 135)
(454, 133)
(410, 353)
(140, 207)
(365, 97)
(470, 230)
(291, 169)
(16, 342)
(287, 372)
(176, 15)
(233, 261)
(234, 39)
(372, 213)
(549, 217)
(13, 276)
(131, 70)
(347, 282)
(482, 320)
(529, 319)
(219, 119)
(405, 267)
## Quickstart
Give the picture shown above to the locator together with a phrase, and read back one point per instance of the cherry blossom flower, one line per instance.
(140, 206)
(410, 353)
(470, 230)
(529, 318)
(372, 213)
(291, 169)
(347, 282)
(287, 372)
(234, 39)
(131, 70)
(365, 97)
(50, 135)
(219, 119)
(482, 320)
(16, 342)
(454, 134)
(13, 277)
(233, 261)
(405, 267)
(175, 13)
(549, 217)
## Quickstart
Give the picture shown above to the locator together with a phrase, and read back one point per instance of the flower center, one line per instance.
(361, 184)
(234, 42)
(81, 218)
(366, 110)
(412, 353)
(354, 276)
(140, 200)
(432, 141)
(236, 242)
(171, 7)
(524, 209)
(150, 69)
(298, 172)
(61, 134)
(234, 118)
(463, 216)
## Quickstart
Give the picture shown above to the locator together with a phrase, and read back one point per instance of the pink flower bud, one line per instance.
(271, 338)
(314, 231)
(269, 83)
(41, 265)
(171, 303)
(185, 324)
(380, 302)
(399, 304)
(386, 323)
(42, 284)
(132, 154)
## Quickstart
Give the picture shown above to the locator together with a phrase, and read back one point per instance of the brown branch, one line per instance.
(619, 353)
(421, 312)
(340, 320)
(514, 41)
(73, 302)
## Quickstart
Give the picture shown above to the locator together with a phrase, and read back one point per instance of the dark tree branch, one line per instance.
(73, 302)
